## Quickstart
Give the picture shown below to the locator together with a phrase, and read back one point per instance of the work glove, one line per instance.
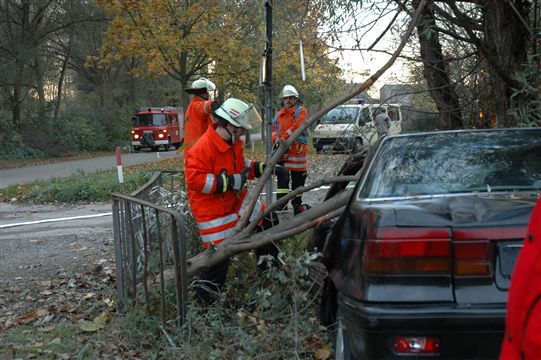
(259, 168)
(236, 182)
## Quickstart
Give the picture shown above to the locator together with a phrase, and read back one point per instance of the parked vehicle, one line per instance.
(157, 126)
(420, 261)
(350, 127)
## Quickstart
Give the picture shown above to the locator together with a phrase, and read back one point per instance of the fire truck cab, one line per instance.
(157, 126)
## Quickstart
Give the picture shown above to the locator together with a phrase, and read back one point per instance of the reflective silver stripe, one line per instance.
(207, 238)
(205, 225)
(248, 163)
(237, 182)
(289, 132)
(257, 210)
(208, 184)
(296, 166)
(297, 158)
(206, 107)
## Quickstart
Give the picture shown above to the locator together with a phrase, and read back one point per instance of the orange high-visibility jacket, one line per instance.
(216, 213)
(196, 120)
(286, 122)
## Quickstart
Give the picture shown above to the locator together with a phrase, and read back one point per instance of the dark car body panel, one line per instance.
(454, 212)
(466, 332)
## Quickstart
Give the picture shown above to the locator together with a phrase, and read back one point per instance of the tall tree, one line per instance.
(436, 70)
(27, 59)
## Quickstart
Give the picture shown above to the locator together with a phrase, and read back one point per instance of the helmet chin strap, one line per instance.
(232, 140)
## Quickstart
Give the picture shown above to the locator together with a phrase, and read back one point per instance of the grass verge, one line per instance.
(84, 188)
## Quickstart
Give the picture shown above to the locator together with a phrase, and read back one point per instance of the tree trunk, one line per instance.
(62, 76)
(506, 35)
(436, 71)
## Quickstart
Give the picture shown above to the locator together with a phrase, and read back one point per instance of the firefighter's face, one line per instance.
(289, 101)
(239, 131)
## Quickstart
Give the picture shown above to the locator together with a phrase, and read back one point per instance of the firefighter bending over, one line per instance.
(288, 119)
(216, 174)
(197, 118)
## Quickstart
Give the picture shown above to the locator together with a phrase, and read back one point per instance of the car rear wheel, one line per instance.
(136, 148)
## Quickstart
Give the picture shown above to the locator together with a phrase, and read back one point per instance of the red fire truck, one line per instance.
(157, 126)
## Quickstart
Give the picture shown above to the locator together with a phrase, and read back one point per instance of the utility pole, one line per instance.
(267, 82)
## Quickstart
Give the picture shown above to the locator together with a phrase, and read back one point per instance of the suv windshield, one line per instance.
(340, 115)
(440, 163)
(149, 120)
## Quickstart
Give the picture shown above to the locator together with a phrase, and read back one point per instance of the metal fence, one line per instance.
(150, 242)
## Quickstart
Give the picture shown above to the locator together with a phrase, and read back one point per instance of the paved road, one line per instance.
(28, 174)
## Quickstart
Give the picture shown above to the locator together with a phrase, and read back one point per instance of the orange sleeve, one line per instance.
(303, 114)
(198, 171)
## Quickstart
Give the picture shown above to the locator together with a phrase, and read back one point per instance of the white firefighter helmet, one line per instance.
(201, 85)
(289, 90)
(238, 113)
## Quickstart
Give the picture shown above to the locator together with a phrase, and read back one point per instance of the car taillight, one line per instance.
(408, 251)
(473, 250)
(164, 130)
(403, 345)
(133, 131)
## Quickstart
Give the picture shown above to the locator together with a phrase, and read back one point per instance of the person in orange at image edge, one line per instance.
(522, 338)
(216, 173)
(197, 118)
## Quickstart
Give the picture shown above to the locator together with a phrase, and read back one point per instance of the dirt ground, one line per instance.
(63, 271)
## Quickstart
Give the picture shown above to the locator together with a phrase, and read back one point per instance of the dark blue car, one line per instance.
(421, 259)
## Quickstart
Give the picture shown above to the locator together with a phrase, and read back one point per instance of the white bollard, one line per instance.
(119, 165)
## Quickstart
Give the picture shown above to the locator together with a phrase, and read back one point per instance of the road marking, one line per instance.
(91, 216)
(54, 220)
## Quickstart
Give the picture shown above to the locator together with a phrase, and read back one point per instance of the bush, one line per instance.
(12, 146)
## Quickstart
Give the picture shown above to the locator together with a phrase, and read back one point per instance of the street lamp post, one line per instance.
(267, 82)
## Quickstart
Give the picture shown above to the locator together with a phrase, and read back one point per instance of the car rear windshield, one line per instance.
(340, 115)
(453, 162)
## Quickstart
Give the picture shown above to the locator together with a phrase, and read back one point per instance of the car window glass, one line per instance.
(365, 116)
(158, 119)
(340, 115)
(455, 162)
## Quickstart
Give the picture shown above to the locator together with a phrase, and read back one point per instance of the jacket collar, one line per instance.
(220, 143)
(285, 111)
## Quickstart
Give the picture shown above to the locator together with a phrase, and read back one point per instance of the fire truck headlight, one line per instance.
(136, 136)
(160, 136)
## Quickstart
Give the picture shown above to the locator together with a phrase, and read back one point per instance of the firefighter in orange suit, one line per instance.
(288, 119)
(198, 118)
(216, 174)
